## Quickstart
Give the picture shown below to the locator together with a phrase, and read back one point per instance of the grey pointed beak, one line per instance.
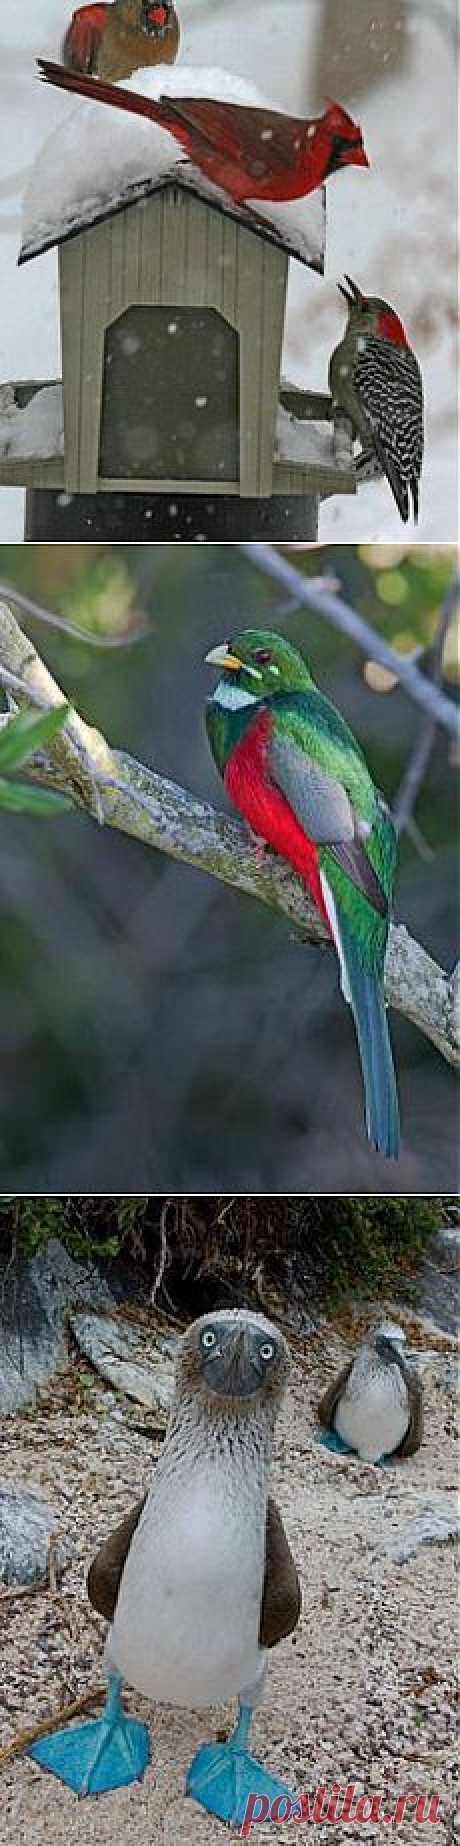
(233, 1371)
(352, 294)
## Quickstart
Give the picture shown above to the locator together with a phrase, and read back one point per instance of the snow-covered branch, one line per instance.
(163, 815)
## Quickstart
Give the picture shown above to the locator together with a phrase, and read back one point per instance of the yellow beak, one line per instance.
(220, 657)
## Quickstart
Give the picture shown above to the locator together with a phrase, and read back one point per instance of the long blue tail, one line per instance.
(368, 1008)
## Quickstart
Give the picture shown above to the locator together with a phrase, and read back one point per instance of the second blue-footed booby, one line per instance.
(375, 1405)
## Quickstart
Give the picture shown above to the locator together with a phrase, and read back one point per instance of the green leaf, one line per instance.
(18, 799)
(27, 733)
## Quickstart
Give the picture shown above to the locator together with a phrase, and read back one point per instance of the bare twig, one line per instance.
(418, 761)
(163, 1254)
(23, 1589)
(336, 610)
(163, 815)
(39, 614)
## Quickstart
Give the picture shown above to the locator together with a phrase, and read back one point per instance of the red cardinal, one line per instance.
(250, 153)
(114, 40)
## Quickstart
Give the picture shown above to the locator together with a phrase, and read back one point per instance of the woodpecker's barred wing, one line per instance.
(259, 140)
(389, 384)
(325, 812)
(106, 1570)
(328, 1402)
(281, 1599)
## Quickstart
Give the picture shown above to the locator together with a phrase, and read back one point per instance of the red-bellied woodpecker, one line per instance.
(375, 380)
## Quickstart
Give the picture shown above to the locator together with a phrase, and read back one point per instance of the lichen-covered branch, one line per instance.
(163, 815)
(80, 750)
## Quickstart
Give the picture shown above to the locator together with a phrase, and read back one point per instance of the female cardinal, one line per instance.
(112, 40)
(250, 153)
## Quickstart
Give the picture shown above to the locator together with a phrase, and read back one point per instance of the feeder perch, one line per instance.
(170, 419)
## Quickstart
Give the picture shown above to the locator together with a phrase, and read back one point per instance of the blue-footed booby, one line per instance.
(198, 1581)
(375, 1405)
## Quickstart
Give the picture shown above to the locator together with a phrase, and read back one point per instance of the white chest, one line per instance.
(373, 1413)
(187, 1619)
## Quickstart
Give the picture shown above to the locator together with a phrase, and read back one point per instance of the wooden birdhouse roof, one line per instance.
(99, 162)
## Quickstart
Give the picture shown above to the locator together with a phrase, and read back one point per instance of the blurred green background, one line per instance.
(163, 1033)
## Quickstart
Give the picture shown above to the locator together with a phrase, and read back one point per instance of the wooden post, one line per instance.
(54, 516)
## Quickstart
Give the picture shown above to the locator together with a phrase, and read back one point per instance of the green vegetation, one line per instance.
(19, 740)
(330, 1245)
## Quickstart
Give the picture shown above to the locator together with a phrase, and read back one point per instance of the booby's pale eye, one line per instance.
(267, 1350)
(208, 1339)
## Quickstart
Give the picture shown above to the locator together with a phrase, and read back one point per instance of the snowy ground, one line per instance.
(363, 1692)
(392, 229)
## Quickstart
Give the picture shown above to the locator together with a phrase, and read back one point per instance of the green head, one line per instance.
(258, 663)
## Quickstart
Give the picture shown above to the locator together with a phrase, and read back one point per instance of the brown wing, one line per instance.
(259, 140)
(412, 1439)
(328, 1403)
(281, 1600)
(104, 1575)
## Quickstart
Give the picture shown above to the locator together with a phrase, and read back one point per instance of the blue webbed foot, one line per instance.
(107, 1752)
(330, 1440)
(223, 1776)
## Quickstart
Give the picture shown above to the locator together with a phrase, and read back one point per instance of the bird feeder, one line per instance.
(170, 419)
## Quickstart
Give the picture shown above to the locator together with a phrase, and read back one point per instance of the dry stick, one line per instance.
(418, 761)
(336, 610)
(163, 815)
(40, 614)
(23, 1589)
(163, 1253)
(25, 1738)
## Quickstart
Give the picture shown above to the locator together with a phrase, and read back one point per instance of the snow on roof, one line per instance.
(99, 160)
(36, 429)
(303, 440)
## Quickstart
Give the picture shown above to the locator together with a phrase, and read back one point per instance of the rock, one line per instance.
(435, 1521)
(26, 1526)
(437, 1365)
(35, 1293)
(128, 1358)
(434, 1289)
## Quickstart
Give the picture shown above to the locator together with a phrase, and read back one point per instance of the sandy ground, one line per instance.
(363, 1692)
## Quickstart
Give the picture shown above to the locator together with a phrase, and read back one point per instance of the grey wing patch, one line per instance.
(328, 1402)
(281, 1597)
(106, 1570)
(321, 804)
